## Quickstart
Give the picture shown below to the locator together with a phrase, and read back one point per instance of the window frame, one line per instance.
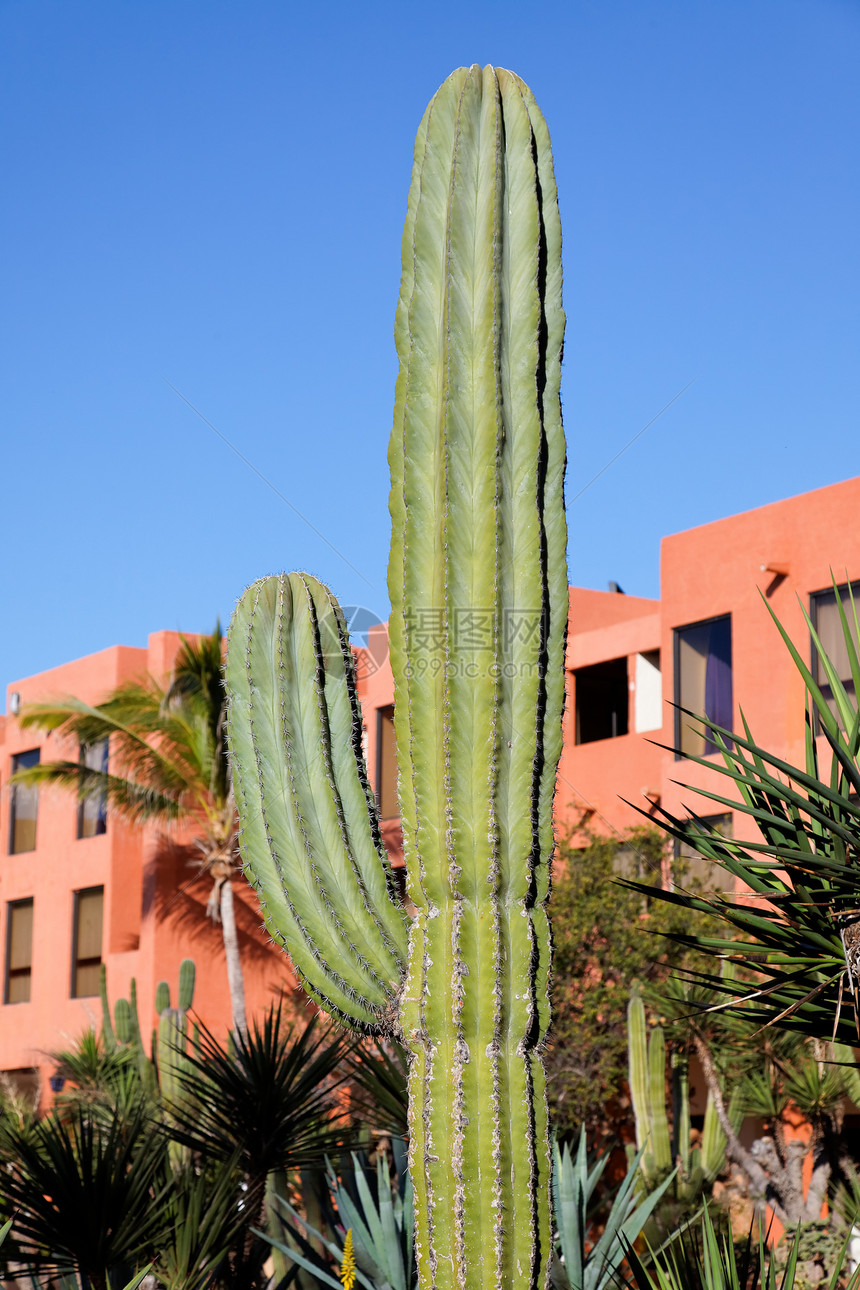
(815, 600)
(710, 747)
(384, 713)
(7, 968)
(101, 818)
(90, 962)
(16, 789)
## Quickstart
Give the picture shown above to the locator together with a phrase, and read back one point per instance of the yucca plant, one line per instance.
(478, 585)
(85, 1196)
(793, 957)
(269, 1103)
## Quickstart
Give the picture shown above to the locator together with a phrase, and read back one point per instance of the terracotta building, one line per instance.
(78, 889)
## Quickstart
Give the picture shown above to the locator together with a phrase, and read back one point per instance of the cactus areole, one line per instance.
(478, 587)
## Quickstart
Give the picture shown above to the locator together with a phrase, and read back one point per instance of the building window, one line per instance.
(703, 683)
(92, 810)
(689, 864)
(19, 951)
(25, 805)
(87, 941)
(824, 613)
(601, 701)
(386, 765)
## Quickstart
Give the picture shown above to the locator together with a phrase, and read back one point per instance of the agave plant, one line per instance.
(363, 1206)
(582, 1263)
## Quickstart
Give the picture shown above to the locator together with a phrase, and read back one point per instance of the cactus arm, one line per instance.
(681, 1123)
(308, 826)
(162, 997)
(122, 1021)
(470, 543)
(108, 1036)
(637, 1071)
(660, 1142)
(187, 977)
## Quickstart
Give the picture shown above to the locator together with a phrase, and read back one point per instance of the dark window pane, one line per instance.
(703, 682)
(602, 701)
(689, 864)
(25, 806)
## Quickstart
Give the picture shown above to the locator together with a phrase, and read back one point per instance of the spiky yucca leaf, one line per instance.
(794, 902)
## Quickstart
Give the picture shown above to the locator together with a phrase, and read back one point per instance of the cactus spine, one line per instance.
(478, 587)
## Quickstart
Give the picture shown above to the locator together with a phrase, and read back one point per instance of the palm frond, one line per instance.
(271, 1096)
(86, 1194)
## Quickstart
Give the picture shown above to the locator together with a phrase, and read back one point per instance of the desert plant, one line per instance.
(86, 1196)
(378, 1219)
(478, 585)
(478, 590)
(795, 950)
(582, 1262)
(651, 1071)
(267, 1102)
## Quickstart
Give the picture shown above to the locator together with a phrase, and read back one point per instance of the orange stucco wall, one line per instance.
(154, 903)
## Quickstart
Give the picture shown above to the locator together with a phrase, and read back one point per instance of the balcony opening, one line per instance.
(601, 701)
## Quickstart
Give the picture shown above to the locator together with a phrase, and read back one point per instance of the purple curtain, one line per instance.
(718, 676)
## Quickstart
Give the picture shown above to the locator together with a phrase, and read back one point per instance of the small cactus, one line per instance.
(172, 1040)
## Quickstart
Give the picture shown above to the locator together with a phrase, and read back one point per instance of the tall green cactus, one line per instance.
(478, 587)
(660, 1152)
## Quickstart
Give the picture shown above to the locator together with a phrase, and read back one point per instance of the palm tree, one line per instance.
(168, 765)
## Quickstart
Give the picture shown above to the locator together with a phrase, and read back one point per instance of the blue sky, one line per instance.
(210, 196)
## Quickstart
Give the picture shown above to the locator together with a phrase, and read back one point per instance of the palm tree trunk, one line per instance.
(235, 979)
